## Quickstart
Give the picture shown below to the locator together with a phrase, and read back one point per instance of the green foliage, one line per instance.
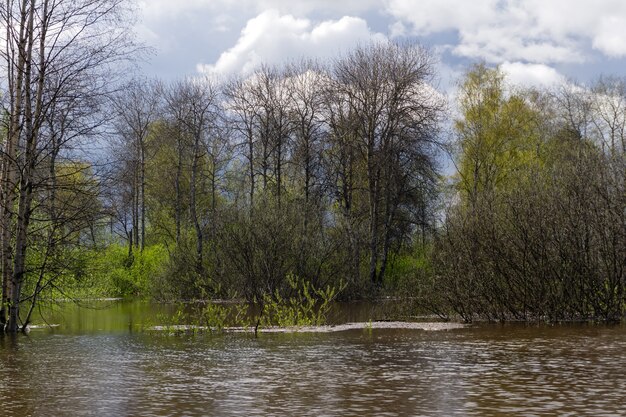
(409, 269)
(68, 275)
(498, 135)
(124, 275)
(538, 230)
(308, 306)
(178, 277)
(215, 316)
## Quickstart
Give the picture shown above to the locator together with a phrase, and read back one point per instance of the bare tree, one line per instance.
(393, 113)
(194, 102)
(137, 108)
(242, 113)
(69, 42)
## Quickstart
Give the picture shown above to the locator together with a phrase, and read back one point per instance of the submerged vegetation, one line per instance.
(296, 185)
(304, 306)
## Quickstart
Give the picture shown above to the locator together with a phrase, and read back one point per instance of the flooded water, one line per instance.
(98, 364)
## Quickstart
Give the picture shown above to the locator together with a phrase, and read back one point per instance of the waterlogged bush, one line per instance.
(176, 323)
(180, 277)
(308, 306)
(200, 317)
(550, 249)
(214, 316)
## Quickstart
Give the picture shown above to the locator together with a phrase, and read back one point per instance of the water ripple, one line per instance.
(489, 370)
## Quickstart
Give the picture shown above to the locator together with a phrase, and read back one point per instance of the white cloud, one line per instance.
(430, 16)
(611, 37)
(531, 75)
(305, 7)
(397, 29)
(272, 38)
(536, 31)
(493, 46)
(511, 32)
(163, 22)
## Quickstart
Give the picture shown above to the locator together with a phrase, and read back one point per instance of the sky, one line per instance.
(536, 42)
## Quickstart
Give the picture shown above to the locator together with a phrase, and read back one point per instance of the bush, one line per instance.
(123, 275)
(307, 306)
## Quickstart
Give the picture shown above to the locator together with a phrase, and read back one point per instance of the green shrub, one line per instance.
(122, 275)
(308, 306)
(409, 271)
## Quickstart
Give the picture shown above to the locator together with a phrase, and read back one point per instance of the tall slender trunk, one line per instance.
(51, 245)
(17, 278)
(33, 118)
(130, 243)
(213, 201)
(265, 164)
(179, 173)
(6, 215)
(135, 229)
(193, 208)
(347, 193)
(143, 193)
(251, 168)
(217, 262)
(32, 115)
(304, 246)
(389, 217)
(279, 168)
(373, 226)
(16, 75)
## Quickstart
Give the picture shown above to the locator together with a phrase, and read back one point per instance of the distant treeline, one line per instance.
(323, 172)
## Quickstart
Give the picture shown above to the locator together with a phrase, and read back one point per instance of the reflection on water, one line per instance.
(484, 370)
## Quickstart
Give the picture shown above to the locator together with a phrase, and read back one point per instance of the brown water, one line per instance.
(97, 364)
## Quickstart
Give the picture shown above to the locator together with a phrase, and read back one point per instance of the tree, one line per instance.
(499, 131)
(537, 228)
(137, 108)
(52, 49)
(200, 120)
(306, 177)
(392, 111)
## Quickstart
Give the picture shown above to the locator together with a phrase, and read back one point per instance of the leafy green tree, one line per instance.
(499, 133)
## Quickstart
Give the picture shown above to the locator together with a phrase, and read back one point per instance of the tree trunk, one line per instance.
(136, 206)
(32, 114)
(179, 173)
(279, 157)
(50, 246)
(251, 166)
(389, 208)
(143, 194)
(193, 208)
(373, 226)
(9, 168)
